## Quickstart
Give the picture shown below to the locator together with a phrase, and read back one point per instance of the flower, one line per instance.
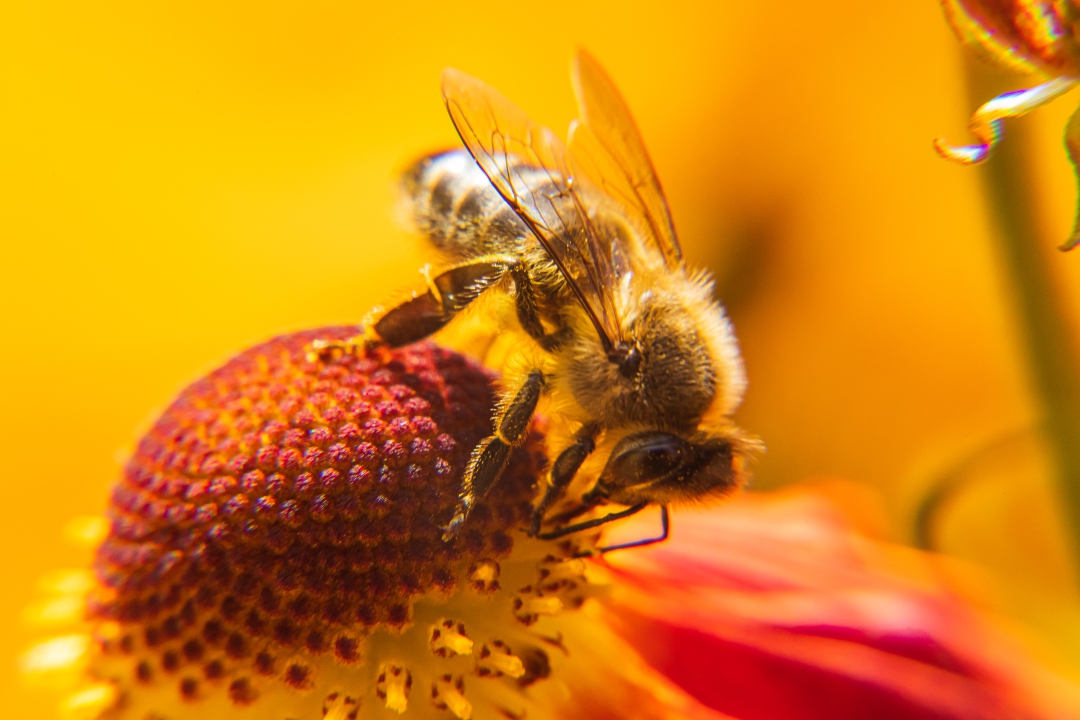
(274, 551)
(1034, 36)
(1029, 35)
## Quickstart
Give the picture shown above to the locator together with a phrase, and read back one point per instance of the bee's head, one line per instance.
(659, 467)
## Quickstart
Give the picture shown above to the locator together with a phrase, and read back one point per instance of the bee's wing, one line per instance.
(528, 166)
(607, 148)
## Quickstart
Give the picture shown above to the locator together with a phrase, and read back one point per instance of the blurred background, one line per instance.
(182, 180)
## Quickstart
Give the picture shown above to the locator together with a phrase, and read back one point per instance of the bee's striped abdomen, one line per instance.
(451, 201)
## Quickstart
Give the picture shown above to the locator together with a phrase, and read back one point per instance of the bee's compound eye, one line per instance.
(648, 456)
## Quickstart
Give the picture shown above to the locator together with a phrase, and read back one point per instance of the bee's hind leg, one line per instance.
(490, 456)
(448, 293)
(562, 472)
(424, 313)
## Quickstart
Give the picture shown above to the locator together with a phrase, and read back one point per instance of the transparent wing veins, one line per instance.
(510, 148)
(607, 147)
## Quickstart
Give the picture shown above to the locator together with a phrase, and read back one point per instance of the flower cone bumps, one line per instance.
(275, 548)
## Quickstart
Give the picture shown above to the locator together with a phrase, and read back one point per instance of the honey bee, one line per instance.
(626, 340)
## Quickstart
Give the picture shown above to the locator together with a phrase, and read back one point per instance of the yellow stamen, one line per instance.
(89, 703)
(86, 531)
(543, 606)
(58, 611)
(394, 687)
(335, 349)
(484, 577)
(396, 699)
(450, 638)
(340, 707)
(485, 573)
(55, 657)
(562, 569)
(67, 582)
(449, 692)
(497, 659)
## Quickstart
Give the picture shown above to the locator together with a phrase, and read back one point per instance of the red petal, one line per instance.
(772, 608)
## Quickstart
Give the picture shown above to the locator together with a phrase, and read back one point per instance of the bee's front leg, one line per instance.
(490, 456)
(563, 471)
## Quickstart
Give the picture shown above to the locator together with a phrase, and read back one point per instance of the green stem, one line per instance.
(1049, 341)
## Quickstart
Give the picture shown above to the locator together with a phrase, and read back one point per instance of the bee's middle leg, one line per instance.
(490, 456)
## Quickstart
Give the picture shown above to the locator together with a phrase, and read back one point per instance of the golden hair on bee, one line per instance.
(571, 252)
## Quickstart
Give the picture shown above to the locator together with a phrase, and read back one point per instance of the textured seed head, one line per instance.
(276, 546)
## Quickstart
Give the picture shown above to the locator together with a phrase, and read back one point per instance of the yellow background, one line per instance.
(179, 180)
